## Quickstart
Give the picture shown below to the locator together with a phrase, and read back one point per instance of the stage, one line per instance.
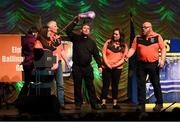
(126, 113)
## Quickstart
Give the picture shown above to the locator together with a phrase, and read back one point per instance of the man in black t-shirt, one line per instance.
(84, 48)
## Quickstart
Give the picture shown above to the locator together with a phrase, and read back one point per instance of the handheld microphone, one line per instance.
(88, 14)
(85, 15)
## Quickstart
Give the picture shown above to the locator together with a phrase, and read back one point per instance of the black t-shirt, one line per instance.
(84, 48)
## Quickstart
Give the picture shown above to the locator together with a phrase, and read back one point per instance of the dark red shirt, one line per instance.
(27, 49)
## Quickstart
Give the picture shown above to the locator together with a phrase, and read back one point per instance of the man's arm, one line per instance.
(132, 50)
(64, 57)
(96, 55)
(69, 28)
(163, 51)
(130, 53)
(163, 58)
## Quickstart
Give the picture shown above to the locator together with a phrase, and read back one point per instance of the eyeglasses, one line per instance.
(145, 27)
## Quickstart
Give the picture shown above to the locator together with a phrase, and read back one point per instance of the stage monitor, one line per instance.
(43, 58)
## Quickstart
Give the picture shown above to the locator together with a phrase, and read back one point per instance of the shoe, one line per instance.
(140, 108)
(96, 106)
(78, 107)
(64, 108)
(116, 106)
(142, 116)
(103, 106)
(158, 107)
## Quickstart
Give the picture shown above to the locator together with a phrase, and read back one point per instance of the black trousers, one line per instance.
(110, 76)
(79, 73)
(144, 68)
(27, 79)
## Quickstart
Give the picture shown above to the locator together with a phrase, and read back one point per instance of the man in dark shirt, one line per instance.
(84, 48)
(151, 53)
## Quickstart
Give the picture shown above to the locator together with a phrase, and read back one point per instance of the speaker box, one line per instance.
(40, 89)
(43, 58)
(38, 104)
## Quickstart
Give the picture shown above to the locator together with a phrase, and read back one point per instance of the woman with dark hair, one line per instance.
(48, 39)
(113, 53)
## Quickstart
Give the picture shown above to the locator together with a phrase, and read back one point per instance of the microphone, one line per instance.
(88, 14)
(85, 15)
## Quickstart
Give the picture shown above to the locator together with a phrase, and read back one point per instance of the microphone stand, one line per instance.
(168, 106)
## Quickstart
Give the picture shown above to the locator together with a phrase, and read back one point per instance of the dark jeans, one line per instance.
(110, 76)
(79, 73)
(144, 68)
(27, 79)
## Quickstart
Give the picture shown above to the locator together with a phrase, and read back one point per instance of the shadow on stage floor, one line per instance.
(126, 113)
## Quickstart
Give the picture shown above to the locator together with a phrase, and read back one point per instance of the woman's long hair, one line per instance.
(43, 38)
(122, 38)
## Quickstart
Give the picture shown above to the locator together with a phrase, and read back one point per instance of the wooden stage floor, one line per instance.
(126, 113)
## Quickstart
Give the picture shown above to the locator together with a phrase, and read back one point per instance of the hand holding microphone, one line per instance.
(86, 15)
